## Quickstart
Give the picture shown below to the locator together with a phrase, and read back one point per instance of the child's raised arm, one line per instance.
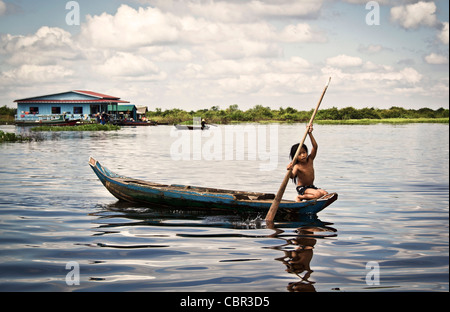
(314, 144)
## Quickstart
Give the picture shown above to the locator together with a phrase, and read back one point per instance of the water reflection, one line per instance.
(298, 251)
(299, 236)
(392, 210)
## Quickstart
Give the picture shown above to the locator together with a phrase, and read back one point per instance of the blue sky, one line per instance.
(194, 54)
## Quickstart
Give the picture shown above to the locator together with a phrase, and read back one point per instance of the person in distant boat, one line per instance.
(303, 171)
(203, 124)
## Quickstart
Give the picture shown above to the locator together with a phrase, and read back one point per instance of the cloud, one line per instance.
(414, 15)
(42, 48)
(375, 79)
(372, 48)
(45, 37)
(436, 59)
(35, 74)
(242, 11)
(443, 35)
(301, 32)
(44, 57)
(293, 8)
(2, 8)
(130, 66)
(130, 28)
(344, 61)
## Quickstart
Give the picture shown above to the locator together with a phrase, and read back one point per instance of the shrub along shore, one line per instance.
(261, 114)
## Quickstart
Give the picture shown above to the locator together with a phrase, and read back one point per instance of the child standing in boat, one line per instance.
(303, 171)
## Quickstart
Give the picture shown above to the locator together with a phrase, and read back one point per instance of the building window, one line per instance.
(56, 110)
(78, 110)
(34, 110)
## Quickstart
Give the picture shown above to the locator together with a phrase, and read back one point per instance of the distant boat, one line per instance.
(190, 127)
(190, 197)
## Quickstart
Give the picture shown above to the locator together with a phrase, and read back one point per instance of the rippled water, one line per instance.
(392, 213)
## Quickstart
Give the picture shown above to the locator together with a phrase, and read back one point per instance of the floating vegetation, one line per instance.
(12, 137)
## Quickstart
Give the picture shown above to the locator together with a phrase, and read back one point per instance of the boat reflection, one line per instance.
(299, 234)
(237, 218)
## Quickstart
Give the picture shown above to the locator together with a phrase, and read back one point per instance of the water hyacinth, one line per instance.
(12, 137)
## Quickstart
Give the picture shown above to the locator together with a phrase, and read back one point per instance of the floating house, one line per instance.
(73, 105)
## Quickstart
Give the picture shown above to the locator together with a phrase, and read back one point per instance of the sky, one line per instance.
(196, 54)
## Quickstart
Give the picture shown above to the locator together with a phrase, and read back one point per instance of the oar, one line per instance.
(276, 202)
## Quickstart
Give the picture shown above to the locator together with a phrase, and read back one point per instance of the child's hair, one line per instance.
(292, 154)
(295, 147)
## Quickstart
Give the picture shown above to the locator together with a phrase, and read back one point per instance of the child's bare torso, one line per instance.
(305, 172)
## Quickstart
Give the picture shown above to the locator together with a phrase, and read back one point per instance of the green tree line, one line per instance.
(260, 113)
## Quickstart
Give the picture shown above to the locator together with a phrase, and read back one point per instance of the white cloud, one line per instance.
(374, 79)
(37, 58)
(242, 11)
(2, 8)
(34, 74)
(130, 66)
(168, 54)
(45, 37)
(47, 46)
(301, 33)
(415, 15)
(436, 59)
(443, 35)
(130, 28)
(344, 61)
(292, 8)
(243, 84)
(154, 28)
(372, 48)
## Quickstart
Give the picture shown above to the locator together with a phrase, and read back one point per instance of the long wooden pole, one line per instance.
(276, 202)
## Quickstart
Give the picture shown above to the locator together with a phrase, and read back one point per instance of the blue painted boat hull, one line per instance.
(191, 197)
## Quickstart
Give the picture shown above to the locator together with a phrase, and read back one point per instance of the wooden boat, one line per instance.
(191, 197)
(190, 127)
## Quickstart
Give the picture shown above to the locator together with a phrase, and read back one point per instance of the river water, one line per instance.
(61, 230)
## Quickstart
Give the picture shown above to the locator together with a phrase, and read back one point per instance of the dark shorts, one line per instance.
(301, 189)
